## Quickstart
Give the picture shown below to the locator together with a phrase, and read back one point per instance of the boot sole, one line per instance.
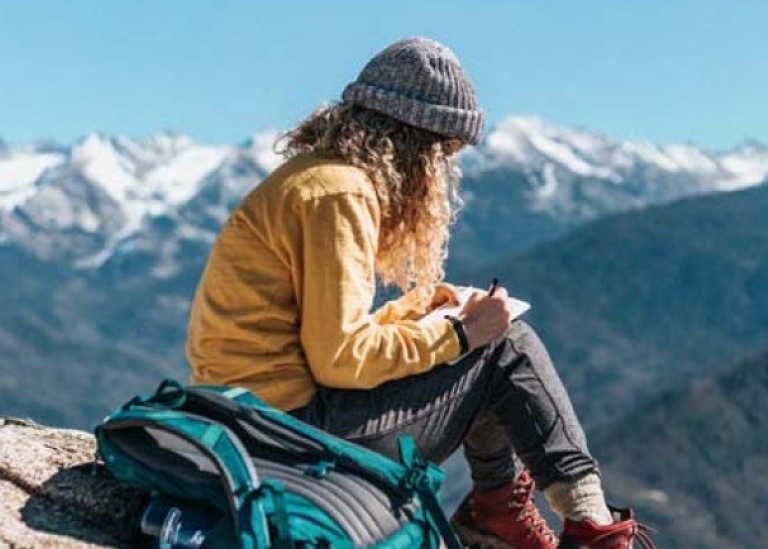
(472, 539)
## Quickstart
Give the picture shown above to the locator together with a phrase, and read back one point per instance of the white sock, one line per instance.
(580, 499)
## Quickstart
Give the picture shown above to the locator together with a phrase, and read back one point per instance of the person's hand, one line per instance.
(446, 294)
(486, 318)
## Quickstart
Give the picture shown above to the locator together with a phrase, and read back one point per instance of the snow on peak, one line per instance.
(746, 166)
(152, 174)
(98, 161)
(532, 144)
(155, 175)
(149, 175)
(19, 170)
(261, 147)
(151, 150)
(690, 159)
(178, 179)
(167, 143)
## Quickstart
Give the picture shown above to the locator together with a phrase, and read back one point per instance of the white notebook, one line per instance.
(518, 306)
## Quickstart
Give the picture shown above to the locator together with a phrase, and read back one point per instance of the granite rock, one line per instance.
(54, 494)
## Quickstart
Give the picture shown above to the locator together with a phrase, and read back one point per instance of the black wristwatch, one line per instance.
(461, 333)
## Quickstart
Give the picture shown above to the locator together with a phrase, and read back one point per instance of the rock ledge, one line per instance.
(52, 495)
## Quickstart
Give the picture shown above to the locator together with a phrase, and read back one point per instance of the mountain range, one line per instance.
(538, 181)
(92, 201)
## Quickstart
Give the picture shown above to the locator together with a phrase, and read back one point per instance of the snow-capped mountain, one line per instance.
(86, 201)
(529, 142)
(555, 158)
(100, 197)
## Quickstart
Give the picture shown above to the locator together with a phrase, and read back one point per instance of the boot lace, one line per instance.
(642, 534)
(527, 513)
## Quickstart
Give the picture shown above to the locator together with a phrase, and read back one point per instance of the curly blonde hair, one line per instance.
(415, 175)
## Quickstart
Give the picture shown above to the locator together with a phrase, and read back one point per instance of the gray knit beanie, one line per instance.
(420, 82)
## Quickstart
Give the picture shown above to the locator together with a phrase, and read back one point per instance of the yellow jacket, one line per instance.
(284, 302)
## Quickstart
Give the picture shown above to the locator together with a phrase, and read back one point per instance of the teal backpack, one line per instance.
(226, 470)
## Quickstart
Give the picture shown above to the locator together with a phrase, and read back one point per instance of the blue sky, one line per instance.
(220, 71)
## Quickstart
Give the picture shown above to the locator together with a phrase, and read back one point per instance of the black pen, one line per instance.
(494, 285)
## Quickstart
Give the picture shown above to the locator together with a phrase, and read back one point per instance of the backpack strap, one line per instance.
(279, 516)
(425, 479)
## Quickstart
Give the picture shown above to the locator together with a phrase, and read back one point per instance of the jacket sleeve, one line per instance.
(405, 307)
(346, 346)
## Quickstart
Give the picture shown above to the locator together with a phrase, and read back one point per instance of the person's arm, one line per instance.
(409, 307)
(346, 346)
(405, 307)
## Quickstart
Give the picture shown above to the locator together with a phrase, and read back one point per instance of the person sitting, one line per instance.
(284, 308)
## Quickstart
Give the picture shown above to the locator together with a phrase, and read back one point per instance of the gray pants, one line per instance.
(504, 403)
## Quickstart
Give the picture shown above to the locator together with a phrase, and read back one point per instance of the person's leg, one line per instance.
(530, 402)
(497, 508)
(443, 409)
(505, 396)
(537, 413)
(533, 405)
(510, 384)
(492, 460)
(437, 408)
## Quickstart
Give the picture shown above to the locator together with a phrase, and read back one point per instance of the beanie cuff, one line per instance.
(464, 124)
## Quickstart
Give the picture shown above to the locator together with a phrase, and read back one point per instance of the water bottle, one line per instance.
(177, 525)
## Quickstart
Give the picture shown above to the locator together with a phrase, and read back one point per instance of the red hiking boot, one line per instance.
(506, 518)
(619, 535)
